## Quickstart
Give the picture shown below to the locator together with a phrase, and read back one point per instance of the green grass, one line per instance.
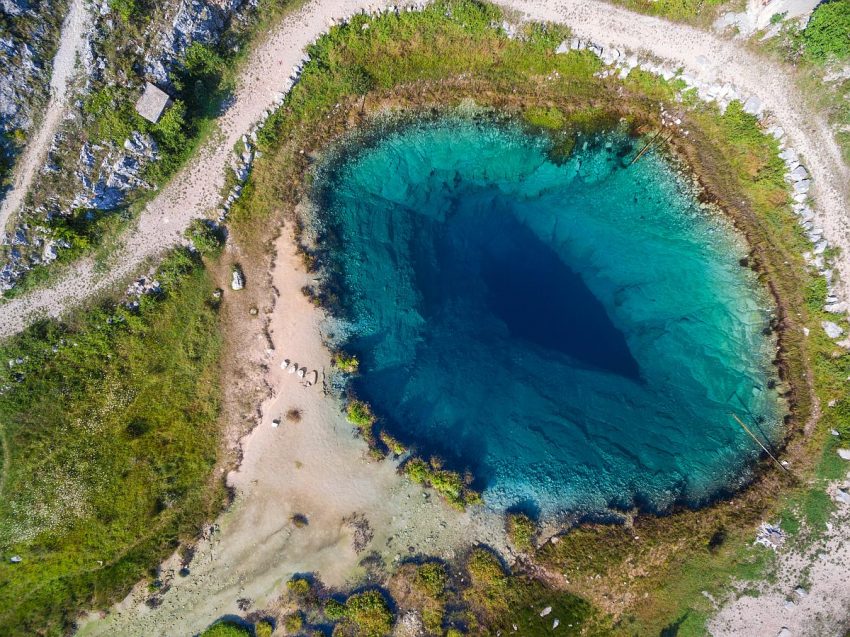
(110, 432)
(701, 12)
(522, 531)
(498, 600)
(827, 35)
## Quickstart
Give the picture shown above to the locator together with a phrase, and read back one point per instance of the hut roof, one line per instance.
(152, 103)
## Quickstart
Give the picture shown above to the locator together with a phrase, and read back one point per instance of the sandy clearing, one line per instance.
(316, 467)
(818, 572)
(72, 39)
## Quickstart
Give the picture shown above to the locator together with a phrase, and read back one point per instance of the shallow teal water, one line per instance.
(576, 335)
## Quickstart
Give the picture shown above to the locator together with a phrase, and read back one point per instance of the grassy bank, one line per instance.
(450, 54)
(109, 432)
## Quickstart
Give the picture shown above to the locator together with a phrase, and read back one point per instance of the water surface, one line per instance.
(575, 333)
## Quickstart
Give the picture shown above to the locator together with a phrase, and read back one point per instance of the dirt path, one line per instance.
(72, 39)
(195, 189)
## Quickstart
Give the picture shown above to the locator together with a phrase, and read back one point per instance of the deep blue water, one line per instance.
(575, 333)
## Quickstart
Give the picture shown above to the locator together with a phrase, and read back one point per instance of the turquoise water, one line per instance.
(575, 333)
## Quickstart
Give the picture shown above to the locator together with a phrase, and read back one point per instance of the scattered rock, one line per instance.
(545, 611)
(844, 454)
(770, 536)
(832, 330)
(842, 496)
(237, 279)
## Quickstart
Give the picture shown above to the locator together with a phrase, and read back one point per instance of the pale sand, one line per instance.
(822, 570)
(257, 547)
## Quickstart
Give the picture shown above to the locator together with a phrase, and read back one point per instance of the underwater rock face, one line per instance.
(576, 333)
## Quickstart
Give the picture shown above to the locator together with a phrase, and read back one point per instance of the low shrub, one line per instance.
(226, 629)
(431, 579)
(827, 35)
(293, 623)
(522, 531)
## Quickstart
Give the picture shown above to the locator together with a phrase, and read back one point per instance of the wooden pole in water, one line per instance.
(752, 435)
(646, 146)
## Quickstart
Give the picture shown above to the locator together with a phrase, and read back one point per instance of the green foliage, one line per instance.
(546, 35)
(126, 9)
(206, 237)
(484, 567)
(299, 586)
(395, 446)
(545, 117)
(293, 623)
(112, 116)
(201, 61)
(334, 610)
(360, 414)
(522, 531)
(816, 294)
(451, 485)
(694, 11)
(109, 425)
(263, 629)
(347, 363)
(776, 18)
(431, 579)
(500, 600)
(369, 614)
(226, 629)
(827, 35)
(84, 230)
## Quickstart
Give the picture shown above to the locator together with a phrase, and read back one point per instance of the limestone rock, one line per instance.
(237, 279)
(832, 330)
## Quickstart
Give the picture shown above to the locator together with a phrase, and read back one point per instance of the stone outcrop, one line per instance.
(105, 175)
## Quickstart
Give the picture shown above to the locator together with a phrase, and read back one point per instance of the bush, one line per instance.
(334, 610)
(431, 579)
(393, 444)
(370, 613)
(293, 623)
(263, 629)
(449, 484)
(347, 363)
(521, 531)
(207, 237)
(124, 8)
(360, 414)
(828, 33)
(226, 629)
(484, 567)
(299, 586)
